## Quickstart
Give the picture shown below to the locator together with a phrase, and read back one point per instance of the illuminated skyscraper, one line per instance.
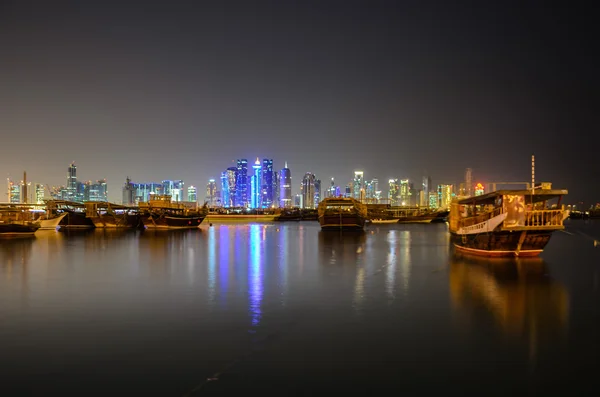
(39, 193)
(308, 190)
(128, 192)
(95, 191)
(469, 182)
(211, 193)
(358, 184)
(405, 192)
(72, 182)
(267, 183)
(192, 193)
(256, 184)
(225, 199)
(393, 191)
(275, 189)
(241, 184)
(285, 187)
(317, 195)
(433, 200)
(426, 189)
(444, 196)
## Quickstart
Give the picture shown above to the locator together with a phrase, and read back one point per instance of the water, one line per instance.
(286, 309)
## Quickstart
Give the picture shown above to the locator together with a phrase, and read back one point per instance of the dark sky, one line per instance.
(177, 90)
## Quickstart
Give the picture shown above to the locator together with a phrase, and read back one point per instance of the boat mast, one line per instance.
(532, 179)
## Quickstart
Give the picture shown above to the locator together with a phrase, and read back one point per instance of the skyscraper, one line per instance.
(285, 187)
(225, 198)
(444, 196)
(72, 182)
(39, 193)
(426, 188)
(317, 196)
(469, 182)
(393, 191)
(241, 184)
(211, 193)
(192, 193)
(308, 190)
(267, 183)
(256, 184)
(358, 184)
(405, 192)
(275, 189)
(128, 192)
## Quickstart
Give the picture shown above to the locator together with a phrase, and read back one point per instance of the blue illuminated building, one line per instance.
(256, 190)
(267, 183)
(241, 184)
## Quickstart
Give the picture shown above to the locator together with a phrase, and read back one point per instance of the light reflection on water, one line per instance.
(182, 303)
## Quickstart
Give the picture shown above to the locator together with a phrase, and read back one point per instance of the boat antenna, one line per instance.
(532, 179)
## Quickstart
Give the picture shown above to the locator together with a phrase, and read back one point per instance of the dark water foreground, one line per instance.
(289, 310)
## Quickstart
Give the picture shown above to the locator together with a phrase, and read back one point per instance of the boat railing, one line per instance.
(541, 218)
(480, 218)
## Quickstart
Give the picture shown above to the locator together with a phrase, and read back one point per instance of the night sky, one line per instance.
(178, 90)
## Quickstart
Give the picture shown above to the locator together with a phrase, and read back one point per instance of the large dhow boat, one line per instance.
(507, 223)
(161, 213)
(342, 213)
(109, 215)
(15, 222)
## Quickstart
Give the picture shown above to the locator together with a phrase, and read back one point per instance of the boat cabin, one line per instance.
(511, 210)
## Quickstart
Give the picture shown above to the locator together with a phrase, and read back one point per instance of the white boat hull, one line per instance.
(51, 224)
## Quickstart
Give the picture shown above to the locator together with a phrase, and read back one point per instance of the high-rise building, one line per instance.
(426, 189)
(128, 192)
(192, 193)
(229, 185)
(275, 189)
(468, 182)
(225, 198)
(433, 200)
(308, 190)
(267, 184)
(241, 184)
(72, 182)
(405, 192)
(444, 196)
(358, 185)
(39, 193)
(14, 191)
(255, 185)
(285, 186)
(95, 191)
(393, 191)
(317, 196)
(211, 193)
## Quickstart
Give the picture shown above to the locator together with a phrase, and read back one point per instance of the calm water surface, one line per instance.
(286, 309)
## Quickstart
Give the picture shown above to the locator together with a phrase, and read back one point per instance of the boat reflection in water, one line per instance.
(343, 247)
(524, 300)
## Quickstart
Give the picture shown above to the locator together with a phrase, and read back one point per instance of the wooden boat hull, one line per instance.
(18, 230)
(502, 243)
(76, 220)
(156, 221)
(128, 221)
(241, 217)
(341, 222)
(52, 223)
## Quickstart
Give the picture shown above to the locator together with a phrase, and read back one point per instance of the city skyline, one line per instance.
(395, 90)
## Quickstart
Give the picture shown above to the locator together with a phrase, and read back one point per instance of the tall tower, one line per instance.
(469, 182)
(285, 186)
(308, 190)
(192, 193)
(256, 185)
(267, 183)
(240, 198)
(357, 184)
(72, 181)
